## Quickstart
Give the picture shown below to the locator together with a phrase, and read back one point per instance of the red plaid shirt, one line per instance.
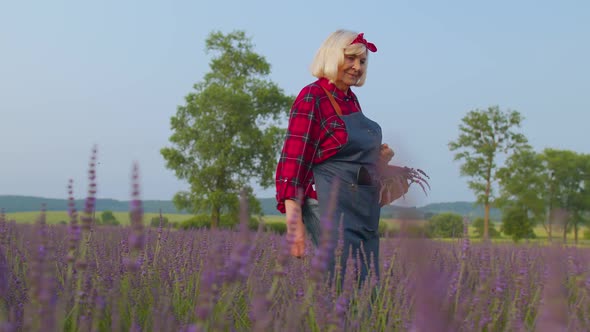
(315, 133)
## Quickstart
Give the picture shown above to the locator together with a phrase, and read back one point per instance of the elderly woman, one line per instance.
(331, 155)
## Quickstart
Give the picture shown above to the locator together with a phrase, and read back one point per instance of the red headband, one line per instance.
(360, 40)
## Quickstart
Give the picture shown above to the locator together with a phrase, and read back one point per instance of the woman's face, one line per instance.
(350, 71)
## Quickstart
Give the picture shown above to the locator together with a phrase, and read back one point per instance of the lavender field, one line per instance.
(83, 277)
(70, 278)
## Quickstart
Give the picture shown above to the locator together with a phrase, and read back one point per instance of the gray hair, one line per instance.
(331, 54)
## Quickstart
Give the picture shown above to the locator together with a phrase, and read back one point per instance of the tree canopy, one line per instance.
(484, 136)
(227, 134)
(523, 188)
(568, 194)
(447, 224)
(548, 188)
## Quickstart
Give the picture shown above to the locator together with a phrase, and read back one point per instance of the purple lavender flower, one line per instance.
(260, 313)
(4, 275)
(136, 237)
(89, 207)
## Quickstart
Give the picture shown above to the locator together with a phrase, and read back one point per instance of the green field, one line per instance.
(539, 231)
(55, 217)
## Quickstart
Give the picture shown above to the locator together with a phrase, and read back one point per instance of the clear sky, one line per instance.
(111, 73)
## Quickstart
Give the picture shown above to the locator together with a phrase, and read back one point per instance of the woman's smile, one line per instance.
(351, 71)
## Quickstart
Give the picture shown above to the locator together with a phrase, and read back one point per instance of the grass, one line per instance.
(55, 217)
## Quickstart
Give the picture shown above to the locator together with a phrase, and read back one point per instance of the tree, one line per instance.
(484, 136)
(447, 224)
(516, 222)
(570, 174)
(548, 187)
(478, 225)
(523, 191)
(226, 134)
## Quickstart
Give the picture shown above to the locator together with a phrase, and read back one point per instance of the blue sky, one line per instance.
(74, 74)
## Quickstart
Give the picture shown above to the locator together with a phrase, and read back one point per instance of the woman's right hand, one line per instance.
(295, 228)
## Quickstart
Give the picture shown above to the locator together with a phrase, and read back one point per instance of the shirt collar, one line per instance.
(324, 82)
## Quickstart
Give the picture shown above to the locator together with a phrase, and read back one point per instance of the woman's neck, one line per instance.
(342, 87)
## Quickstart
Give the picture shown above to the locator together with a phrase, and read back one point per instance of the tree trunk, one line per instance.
(486, 221)
(547, 225)
(576, 233)
(486, 217)
(215, 217)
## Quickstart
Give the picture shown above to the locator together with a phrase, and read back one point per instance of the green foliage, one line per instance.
(517, 224)
(538, 184)
(228, 221)
(568, 183)
(384, 230)
(484, 135)
(156, 221)
(523, 187)
(277, 227)
(227, 133)
(204, 221)
(587, 234)
(448, 225)
(478, 224)
(108, 218)
(408, 230)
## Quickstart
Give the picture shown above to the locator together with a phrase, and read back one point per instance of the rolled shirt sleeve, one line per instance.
(314, 133)
(294, 169)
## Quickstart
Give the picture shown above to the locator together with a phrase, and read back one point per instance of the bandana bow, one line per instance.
(360, 40)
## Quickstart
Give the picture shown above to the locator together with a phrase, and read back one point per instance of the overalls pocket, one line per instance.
(364, 201)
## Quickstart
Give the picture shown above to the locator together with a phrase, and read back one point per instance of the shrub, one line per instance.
(155, 222)
(384, 230)
(196, 221)
(587, 234)
(517, 224)
(108, 218)
(478, 224)
(446, 224)
(414, 230)
(276, 227)
(407, 230)
(226, 221)
(253, 224)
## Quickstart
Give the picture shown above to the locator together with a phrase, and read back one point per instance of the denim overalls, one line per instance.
(356, 206)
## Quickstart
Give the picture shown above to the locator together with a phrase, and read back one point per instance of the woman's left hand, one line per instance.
(386, 154)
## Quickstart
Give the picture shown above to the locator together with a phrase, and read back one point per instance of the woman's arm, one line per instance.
(295, 228)
(294, 173)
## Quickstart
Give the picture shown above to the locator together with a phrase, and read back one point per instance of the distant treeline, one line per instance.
(27, 203)
(468, 209)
